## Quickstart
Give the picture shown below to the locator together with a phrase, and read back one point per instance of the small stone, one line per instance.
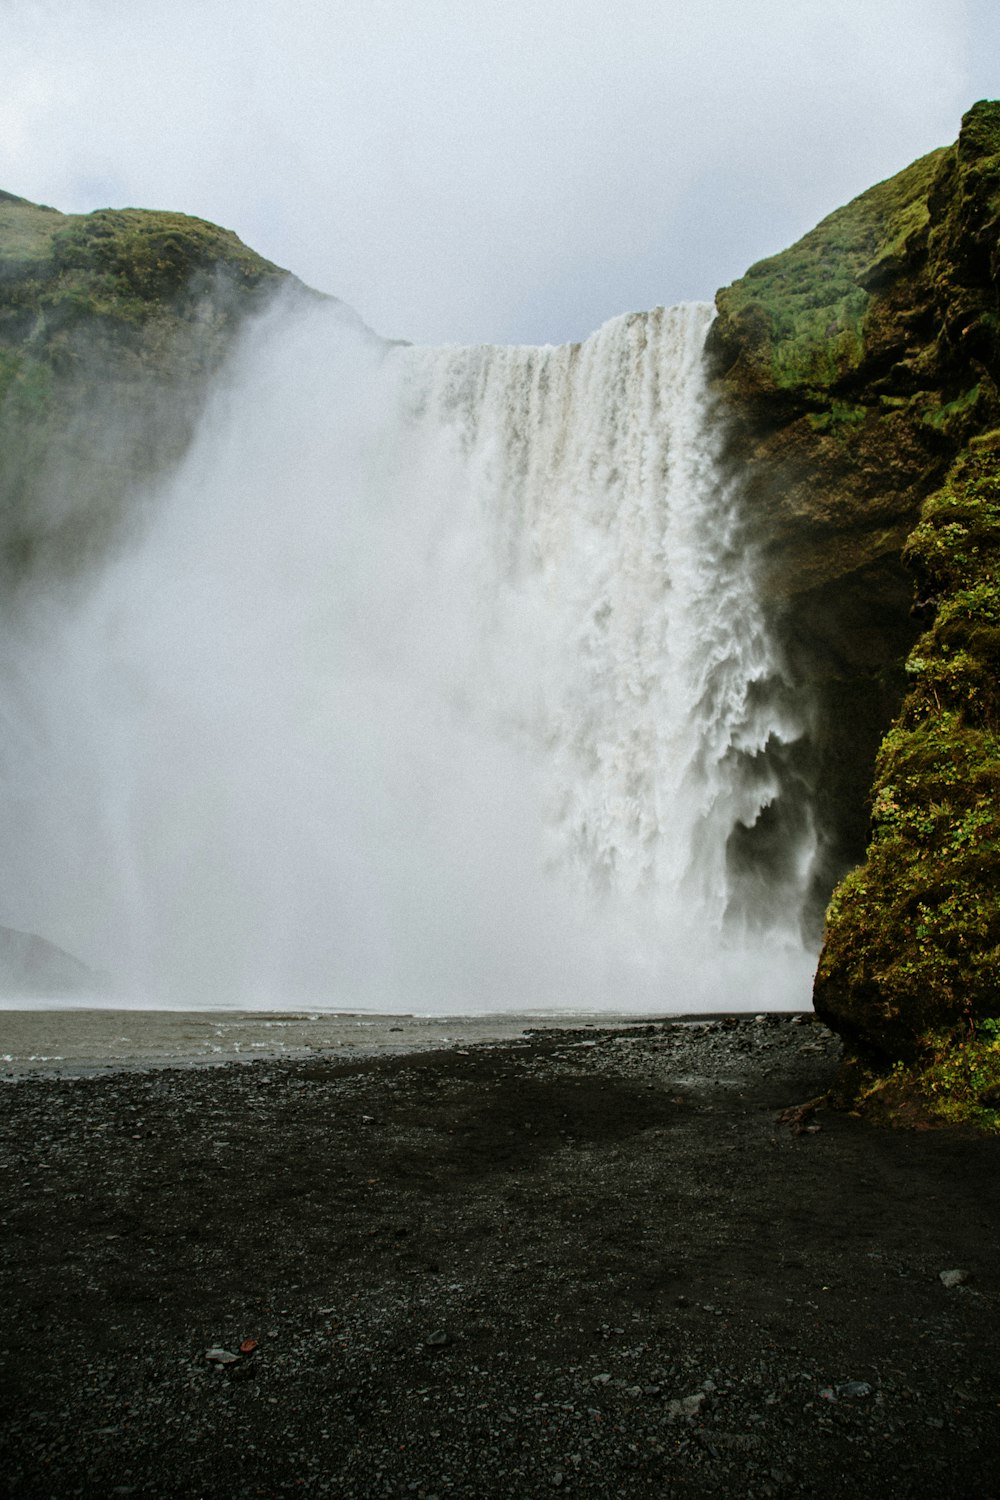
(601, 1379)
(854, 1389)
(556, 1478)
(687, 1406)
(221, 1357)
(953, 1278)
(438, 1339)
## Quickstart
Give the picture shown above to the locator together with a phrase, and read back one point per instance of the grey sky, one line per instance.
(515, 171)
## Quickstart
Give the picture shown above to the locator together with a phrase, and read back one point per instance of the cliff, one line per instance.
(860, 369)
(111, 326)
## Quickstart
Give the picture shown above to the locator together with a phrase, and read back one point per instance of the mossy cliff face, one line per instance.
(910, 971)
(854, 368)
(858, 368)
(111, 325)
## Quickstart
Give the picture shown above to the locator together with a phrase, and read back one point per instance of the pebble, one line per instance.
(687, 1406)
(953, 1278)
(221, 1357)
(315, 1397)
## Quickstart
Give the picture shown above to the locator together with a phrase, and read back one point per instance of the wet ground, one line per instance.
(56, 1041)
(586, 1261)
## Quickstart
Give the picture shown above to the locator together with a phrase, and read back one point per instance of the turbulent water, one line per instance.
(434, 680)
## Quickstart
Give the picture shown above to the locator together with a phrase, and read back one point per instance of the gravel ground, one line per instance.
(589, 1262)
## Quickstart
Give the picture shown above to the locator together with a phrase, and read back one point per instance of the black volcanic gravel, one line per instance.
(590, 1263)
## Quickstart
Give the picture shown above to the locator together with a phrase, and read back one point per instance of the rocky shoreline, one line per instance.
(588, 1261)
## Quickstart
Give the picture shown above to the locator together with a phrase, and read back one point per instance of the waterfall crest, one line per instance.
(435, 681)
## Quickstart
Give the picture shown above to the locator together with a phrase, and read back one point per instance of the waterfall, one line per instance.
(434, 680)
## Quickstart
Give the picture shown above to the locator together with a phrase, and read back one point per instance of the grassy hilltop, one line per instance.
(111, 325)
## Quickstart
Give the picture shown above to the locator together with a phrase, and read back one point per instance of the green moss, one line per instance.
(981, 131)
(954, 547)
(913, 936)
(140, 256)
(840, 417)
(945, 415)
(808, 304)
(26, 234)
(122, 266)
(945, 1087)
(111, 323)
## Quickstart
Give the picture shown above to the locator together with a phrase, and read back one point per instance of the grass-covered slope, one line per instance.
(801, 314)
(111, 324)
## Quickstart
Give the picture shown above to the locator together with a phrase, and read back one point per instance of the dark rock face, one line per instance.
(857, 367)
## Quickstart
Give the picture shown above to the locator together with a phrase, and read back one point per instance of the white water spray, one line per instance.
(437, 682)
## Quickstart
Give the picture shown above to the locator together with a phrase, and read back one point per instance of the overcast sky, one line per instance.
(469, 170)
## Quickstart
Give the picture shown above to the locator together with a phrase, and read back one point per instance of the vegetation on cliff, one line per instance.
(862, 371)
(801, 314)
(910, 972)
(111, 324)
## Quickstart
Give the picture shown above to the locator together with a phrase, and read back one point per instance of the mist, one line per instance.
(411, 688)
